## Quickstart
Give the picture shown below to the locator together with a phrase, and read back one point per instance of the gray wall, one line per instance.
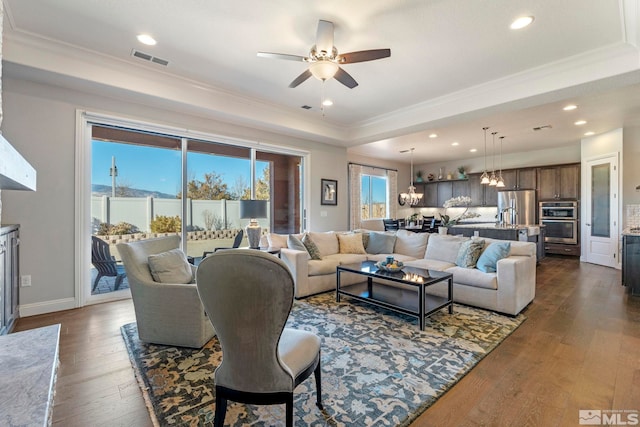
(40, 121)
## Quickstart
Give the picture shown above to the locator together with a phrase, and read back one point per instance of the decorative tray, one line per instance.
(391, 268)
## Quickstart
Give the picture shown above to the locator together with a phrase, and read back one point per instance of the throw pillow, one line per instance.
(294, 243)
(495, 252)
(170, 267)
(381, 243)
(351, 244)
(469, 253)
(314, 253)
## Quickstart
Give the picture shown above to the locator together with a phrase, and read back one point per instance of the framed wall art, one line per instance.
(329, 194)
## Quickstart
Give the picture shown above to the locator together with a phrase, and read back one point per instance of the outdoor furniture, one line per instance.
(166, 313)
(248, 295)
(236, 243)
(105, 263)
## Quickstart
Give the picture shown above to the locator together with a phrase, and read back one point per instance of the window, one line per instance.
(374, 197)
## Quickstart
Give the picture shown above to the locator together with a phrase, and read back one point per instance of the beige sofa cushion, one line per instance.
(277, 240)
(474, 277)
(351, 243)
(430, 264)
(347, 258)
(411, 244)
(321, 267)
(443, 247)
(327, 243)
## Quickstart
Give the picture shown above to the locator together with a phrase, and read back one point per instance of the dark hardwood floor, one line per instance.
(578, 349)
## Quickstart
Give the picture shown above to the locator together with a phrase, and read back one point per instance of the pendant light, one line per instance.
(410, 197)
(484, 179)
(500, 182)
(493, 181)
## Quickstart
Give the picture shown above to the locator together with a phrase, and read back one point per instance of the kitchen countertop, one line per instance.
(532, 230)
(631, 232)
(28, 367)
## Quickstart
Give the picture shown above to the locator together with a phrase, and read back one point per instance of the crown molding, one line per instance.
(607, 62)
(146, 84)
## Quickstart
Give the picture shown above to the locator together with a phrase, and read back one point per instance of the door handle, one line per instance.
(588, 225)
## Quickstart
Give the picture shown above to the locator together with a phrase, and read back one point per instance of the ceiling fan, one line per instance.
(325, 60)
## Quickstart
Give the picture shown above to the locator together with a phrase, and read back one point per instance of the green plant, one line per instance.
(419, 174)
(461, 170)
(166, 224)
(106, 229)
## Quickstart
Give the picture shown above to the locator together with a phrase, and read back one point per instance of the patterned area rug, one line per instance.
(378, 368)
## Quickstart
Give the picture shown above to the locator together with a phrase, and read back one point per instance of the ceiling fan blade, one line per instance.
(324, 37)
(364, 55)
(302, 77)
(281, 56)
(345, 78)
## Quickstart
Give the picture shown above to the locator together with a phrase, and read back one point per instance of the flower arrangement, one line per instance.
(460, 201)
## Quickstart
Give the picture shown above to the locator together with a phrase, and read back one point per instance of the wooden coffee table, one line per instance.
(412, 300)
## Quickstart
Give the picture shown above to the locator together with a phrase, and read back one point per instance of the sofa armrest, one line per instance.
(516, 277)
(298, 263)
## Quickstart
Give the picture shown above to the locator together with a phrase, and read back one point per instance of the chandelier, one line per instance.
(411, 197)
(493, 179)
(500, 182)
(484, 179)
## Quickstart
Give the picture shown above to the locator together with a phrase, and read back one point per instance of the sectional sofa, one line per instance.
(508, 289)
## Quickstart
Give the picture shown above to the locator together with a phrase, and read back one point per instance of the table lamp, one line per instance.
(252, 210)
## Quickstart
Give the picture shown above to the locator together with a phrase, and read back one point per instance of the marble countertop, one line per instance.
(531, 229)
(631, 232)
(28, 367)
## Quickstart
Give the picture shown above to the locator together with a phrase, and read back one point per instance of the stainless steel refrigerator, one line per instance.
(518, 206)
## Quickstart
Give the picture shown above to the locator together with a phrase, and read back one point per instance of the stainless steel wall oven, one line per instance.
(561, 221)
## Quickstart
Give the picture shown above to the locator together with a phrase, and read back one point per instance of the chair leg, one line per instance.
(317, 375)
(221, 410)
(290, 410)
(118, 281)
(95, 283)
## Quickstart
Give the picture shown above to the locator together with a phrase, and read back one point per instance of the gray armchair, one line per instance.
(249, 295)
(166, 313)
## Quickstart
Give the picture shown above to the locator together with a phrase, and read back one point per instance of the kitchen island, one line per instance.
(523, 233)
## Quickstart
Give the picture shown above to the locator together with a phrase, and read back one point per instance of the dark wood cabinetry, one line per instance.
(519, 179)
(559, 182)
(445, 192)
(9, 277)
(631, 263)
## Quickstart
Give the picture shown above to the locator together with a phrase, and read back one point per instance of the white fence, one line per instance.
(140, 211)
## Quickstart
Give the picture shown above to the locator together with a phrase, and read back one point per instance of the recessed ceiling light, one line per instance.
(521, 22)
(589, 133)
(455, 144)
(433, 135)
(473, 150)
(580, 122)
(146, 39)
(327, 103)
(570, 107)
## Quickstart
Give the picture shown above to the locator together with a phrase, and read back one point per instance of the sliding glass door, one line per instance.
(146, 184)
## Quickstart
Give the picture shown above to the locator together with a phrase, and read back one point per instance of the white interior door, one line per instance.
(600, 234)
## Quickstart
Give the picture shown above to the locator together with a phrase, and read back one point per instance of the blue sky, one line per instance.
(158, 169)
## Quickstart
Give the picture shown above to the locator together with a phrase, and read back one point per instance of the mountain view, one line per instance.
(105, 190)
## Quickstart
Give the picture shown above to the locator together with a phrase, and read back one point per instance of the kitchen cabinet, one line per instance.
(9, 277)
(631, 262)
(460, 188)
(476, 190)
(519, 179)
(445, 192)
(559, 182)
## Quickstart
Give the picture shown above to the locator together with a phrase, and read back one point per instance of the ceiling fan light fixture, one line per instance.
(323, 70)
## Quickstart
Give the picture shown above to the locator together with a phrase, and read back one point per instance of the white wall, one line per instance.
(630, 169)
(40, 121)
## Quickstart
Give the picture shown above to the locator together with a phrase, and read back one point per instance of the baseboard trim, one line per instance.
(44, 307)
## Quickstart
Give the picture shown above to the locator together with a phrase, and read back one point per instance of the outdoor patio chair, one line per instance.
(105, 263)
(236, 244)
